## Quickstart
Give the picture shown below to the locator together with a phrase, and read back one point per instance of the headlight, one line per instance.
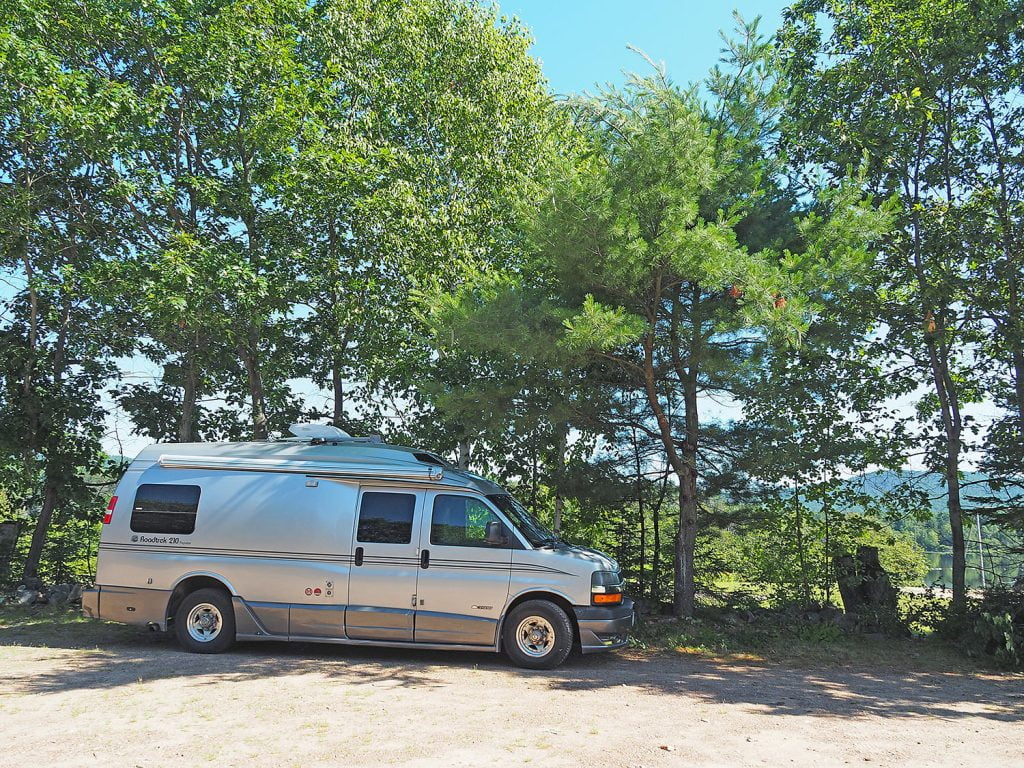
(606, 579)
(605, 588)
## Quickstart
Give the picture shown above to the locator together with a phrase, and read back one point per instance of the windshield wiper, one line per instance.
(552, 541)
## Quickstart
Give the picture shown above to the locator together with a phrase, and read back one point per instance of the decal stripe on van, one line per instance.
(330, 558)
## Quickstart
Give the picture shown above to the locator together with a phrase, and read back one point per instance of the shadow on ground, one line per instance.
(112, 656)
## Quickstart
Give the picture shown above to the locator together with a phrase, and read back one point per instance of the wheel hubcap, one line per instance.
(535, 636)
(204, 622)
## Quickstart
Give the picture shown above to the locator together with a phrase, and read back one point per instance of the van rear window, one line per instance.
(165, 508)
(386, 518)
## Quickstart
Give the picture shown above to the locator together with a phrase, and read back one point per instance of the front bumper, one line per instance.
(604, 628)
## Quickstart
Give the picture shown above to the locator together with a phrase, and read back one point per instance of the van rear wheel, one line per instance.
(205, 622)
(537, 635)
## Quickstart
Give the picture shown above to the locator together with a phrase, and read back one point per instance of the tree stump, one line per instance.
(866, 589)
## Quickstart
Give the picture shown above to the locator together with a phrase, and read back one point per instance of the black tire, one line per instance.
(553, 635)
(212, 603)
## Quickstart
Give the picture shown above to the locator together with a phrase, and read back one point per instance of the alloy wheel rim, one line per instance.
(535, 636)
(204, 622)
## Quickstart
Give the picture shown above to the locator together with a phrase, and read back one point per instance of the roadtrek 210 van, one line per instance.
(327, 538)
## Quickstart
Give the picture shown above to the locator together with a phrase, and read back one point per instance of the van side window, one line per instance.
(462, 521)
(162, 508)
(386, 518)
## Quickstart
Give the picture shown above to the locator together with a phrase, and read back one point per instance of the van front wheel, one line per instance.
(537, 635)
(205, 622)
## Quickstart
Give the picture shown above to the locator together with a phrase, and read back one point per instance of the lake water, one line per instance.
(941, 572)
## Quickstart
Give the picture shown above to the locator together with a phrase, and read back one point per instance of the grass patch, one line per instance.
(797, 643)
(44, 626)
(713, 637)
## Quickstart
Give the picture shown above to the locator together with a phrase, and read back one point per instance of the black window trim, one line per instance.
(413, 534)
(194, 514)
(514, 537)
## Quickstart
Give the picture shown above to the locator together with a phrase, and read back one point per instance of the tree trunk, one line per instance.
(956, 525)
(683, 591)
(186, 424)
(686, 585)
(561, 440)
(949, 404)
(805, 587)
(949, 409)
(50, 483)
(686, 541)
(656, 522)
(1018, 382)
(338, 388)
(641, 512)
(826, 564)
(248, 351)
(39, 533)
(464, 454)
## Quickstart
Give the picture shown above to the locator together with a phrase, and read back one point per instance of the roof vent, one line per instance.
(429, 458)
(309, 431)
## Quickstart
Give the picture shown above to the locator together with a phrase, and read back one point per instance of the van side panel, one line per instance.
(274, 539)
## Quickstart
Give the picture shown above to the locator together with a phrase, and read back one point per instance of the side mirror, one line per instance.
(495, 536)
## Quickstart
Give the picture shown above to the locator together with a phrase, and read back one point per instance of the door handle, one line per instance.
(359, 555)
(425, 558)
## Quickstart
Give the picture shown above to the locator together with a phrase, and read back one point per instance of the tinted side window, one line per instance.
(165, 508)
(386, 518)
(462, 521)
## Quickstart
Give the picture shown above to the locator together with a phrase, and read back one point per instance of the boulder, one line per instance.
(829, 613)
(846, 622)
(60, 594)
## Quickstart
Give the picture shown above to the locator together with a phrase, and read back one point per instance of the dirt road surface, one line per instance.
(139, 701)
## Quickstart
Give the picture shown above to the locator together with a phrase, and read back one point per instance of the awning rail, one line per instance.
(356, 470)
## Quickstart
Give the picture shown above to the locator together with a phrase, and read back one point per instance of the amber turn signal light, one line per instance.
(607, 599)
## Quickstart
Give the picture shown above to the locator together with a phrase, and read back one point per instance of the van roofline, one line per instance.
(344, 459)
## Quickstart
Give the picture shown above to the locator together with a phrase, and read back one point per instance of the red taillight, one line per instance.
(110, 510)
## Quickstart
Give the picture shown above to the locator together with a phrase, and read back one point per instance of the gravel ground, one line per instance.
(136, 700)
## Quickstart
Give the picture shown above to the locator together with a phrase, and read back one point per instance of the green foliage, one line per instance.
(994, 626)
(794, 564)
(382, 200)
(924, 98)
(216, 187)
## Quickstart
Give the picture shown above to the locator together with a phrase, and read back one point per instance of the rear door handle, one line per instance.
(359, 555)
(425, 558)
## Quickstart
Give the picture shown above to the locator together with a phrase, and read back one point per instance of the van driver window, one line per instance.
(462, 521)
(160, 508)
(386, 518)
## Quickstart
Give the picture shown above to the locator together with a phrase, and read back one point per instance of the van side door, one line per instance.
(465, 568)
(385, 564)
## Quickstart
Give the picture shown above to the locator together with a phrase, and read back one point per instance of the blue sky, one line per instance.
(584, 42)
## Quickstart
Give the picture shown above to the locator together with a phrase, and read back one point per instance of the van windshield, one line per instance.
(533, 529)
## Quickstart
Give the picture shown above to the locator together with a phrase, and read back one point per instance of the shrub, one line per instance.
(994, 626)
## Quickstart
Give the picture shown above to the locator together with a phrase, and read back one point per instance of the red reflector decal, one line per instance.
(110, 510)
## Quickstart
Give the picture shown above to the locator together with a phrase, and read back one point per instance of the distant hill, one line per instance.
(931, 484)
(933, 534)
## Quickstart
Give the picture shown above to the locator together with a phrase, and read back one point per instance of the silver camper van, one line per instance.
(327, 538)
